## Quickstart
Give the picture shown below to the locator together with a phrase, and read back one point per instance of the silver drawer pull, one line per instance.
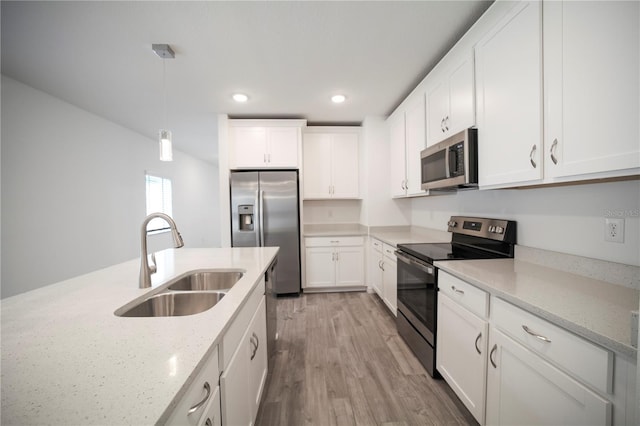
(536, 335)
(477, 339)
(208, 422)
(204, 400)
(456, 290)
(493, 349)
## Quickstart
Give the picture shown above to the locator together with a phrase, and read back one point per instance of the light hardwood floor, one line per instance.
(340, 361)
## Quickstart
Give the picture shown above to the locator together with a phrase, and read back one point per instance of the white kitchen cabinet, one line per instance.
(244, 362)
(451, 98)
(407, 140)
(332, 262)
(375, 268)
(525, 389)
(509, 98)
(390, 279)
(193, 408)
(330, 163)
(383, 270)
(591, 68)
(264, 144)
(463, 333)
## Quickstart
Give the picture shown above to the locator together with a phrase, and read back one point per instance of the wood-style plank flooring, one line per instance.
(340, 361)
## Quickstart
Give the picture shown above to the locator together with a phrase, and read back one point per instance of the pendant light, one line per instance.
(164, 51)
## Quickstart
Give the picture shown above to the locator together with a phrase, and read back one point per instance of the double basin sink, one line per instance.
(187, 295)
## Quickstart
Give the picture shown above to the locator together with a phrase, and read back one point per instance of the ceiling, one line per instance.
(288, 57)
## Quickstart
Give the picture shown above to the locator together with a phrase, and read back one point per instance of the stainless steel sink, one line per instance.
(174, 304)
(207, 280)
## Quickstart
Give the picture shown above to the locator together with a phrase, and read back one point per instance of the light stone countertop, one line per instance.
(407, 235)
(67, 359)
(596, 310)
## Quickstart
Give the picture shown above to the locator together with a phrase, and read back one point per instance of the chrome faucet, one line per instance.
(145, 269)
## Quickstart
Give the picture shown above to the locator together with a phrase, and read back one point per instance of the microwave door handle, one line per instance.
(453, 161)
(447, 171)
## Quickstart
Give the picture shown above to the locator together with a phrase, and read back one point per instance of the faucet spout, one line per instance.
(145, 269)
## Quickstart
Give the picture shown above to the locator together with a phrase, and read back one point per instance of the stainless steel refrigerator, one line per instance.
(265, 213)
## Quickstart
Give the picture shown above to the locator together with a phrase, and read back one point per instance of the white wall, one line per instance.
(331, 211)
(73, 192)
(567, 219)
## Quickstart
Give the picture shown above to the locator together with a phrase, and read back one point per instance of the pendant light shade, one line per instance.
(166, 151)
(164, 51)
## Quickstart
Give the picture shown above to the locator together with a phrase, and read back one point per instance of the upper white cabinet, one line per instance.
(264, 143)
(407, 139)
(330, 163)
(509, 98)
(450, 98)
(591, 69)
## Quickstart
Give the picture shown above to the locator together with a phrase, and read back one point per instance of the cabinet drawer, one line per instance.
(587, 361)
(234, 334)
(376, 245)
(469, 296)
(333, 241)
(389, 251)
(197, 393)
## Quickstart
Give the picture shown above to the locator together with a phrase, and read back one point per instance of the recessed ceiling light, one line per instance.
(338, 99)
(240, 97)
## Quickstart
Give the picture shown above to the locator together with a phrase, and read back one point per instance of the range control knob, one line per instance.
(452, 223)
(492, 228)
(499, 230)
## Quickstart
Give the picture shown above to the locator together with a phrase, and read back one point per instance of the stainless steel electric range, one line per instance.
(472, 238)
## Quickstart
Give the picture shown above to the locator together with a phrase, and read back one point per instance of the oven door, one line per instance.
(417, 293)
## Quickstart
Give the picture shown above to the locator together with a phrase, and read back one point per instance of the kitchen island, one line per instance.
(67, 359)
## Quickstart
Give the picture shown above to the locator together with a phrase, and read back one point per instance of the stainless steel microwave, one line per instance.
(452, 163)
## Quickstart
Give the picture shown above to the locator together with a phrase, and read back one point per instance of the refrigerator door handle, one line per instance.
(261, 212)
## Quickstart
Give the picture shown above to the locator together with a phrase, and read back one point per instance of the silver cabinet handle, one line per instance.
(493, 349)
(442, 125)
(536, 335)
(208, 422)
(382, 266)
(457, 290)
(477, 340)
(269, 158)
(257, 343)
(334, 241)
(446, 123)
(196, 407)
(552, 151)
(531, 154)
(337, 257)
(264, 158)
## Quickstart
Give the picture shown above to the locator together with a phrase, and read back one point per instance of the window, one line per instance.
(158, 200)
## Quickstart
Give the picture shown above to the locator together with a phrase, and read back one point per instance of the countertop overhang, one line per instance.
(67, 359)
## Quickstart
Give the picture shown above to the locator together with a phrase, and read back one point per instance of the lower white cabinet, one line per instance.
(334, 262)
(213, 417)
(200, 397)
(243, 362)
(383, 268)
(524, 389)
(461, 357)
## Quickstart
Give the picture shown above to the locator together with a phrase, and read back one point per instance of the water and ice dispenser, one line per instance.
(246, 217)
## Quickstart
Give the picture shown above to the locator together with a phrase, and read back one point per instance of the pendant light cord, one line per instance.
(164, 89)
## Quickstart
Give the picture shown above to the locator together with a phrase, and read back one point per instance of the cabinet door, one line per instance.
(349, 266)
(234, 387)
(375, 271)
(415, 142)
(509, 90)
(257, 343)
(461, 357)
(390, 283)
(592, 87)
(317, 165)
(249, 145)
(320, 266)
(344, 166)
(397, 162)
(282, 143)
(437, 110)
(524, 389)
(461, 95)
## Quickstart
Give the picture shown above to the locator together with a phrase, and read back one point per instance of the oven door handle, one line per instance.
(420, 265)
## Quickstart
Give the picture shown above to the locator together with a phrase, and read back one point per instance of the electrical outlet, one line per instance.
(614, 230)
